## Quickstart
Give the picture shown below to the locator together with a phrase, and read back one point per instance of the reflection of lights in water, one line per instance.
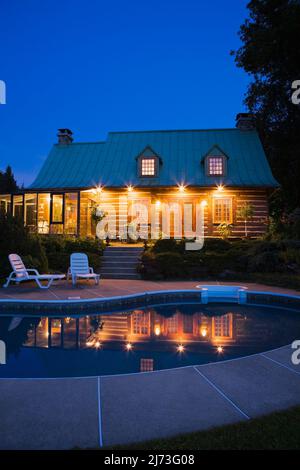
(157, 330)
(203, 332)
(220, 349)
(128, 346)
(180, 348)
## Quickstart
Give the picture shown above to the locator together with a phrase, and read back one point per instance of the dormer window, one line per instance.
(215, 161)
(148, 166)
(216, 166)
(148, 163)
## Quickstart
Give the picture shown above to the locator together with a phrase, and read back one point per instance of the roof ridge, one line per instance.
(176, 130)
(81, 143)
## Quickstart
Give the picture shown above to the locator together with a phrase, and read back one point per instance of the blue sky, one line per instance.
(95, 66)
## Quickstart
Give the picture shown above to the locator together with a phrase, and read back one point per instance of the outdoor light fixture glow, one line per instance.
(204, 203)
(203, 332)
(157, 203)
(130, 188)
(180, 348)
(97, 344)
(89, 344)
(220, 188)
(220, 349)
(181, 188)
(157, 330)
(128, 346)
(99, 189)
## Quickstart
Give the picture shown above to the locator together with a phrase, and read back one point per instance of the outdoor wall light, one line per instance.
(181, 188)
(180, 348)
(157, 330)
(128, 346)
(220, 349)
(130, 188)
(203, 332)
(220, 188)
(97, 345)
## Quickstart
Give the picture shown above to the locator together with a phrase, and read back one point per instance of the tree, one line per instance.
(8, 183)
(270, 53)
(246, 213)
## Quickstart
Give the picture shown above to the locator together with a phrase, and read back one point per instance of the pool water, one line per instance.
(142, 339)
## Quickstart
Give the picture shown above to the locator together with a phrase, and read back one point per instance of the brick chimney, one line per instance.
(245, 121)
(65, 136)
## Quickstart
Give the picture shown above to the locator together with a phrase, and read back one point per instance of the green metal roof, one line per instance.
(113, 163)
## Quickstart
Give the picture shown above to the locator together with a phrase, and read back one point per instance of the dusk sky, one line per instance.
(96, 66)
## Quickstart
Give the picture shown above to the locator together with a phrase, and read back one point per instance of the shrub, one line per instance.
(168, 245)
(265, 262)
(171, 264)
(15, 238)
(216, 244)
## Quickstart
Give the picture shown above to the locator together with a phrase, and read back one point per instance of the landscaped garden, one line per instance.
(269, 262)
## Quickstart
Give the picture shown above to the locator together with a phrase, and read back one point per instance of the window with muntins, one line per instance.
(215, 166)
(222, 210)
(148, 167)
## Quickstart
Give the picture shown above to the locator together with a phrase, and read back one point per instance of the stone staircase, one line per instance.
(120, 262)
(115, 327)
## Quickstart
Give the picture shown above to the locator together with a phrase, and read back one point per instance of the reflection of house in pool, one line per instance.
(151, 330)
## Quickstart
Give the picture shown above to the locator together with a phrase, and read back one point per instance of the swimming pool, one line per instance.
(142, 339)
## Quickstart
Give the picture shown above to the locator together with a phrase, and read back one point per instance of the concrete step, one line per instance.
(116, 264)
(120, 276)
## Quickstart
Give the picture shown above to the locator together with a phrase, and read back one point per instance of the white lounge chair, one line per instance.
(20, 273)
(80, 268)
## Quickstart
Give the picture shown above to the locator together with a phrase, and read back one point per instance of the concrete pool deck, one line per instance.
(63, 290)
(105, 411)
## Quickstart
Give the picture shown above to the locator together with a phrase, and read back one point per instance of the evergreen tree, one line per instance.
(8, 183)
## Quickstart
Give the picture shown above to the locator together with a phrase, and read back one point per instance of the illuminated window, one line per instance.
(5, 203)
(140, 323)
(146, 365)
(71, 205)
(18, 206)
(222, 210)
(43, 212)
(57, 208)
(187, 324)
(222, 326)
(172, 325)
(148, 167)
(216, 166)
(30, 214)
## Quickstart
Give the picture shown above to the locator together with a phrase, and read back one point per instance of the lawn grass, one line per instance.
(280, 430)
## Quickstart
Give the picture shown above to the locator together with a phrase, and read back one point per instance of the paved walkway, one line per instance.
(105, 411)
(115, 287)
